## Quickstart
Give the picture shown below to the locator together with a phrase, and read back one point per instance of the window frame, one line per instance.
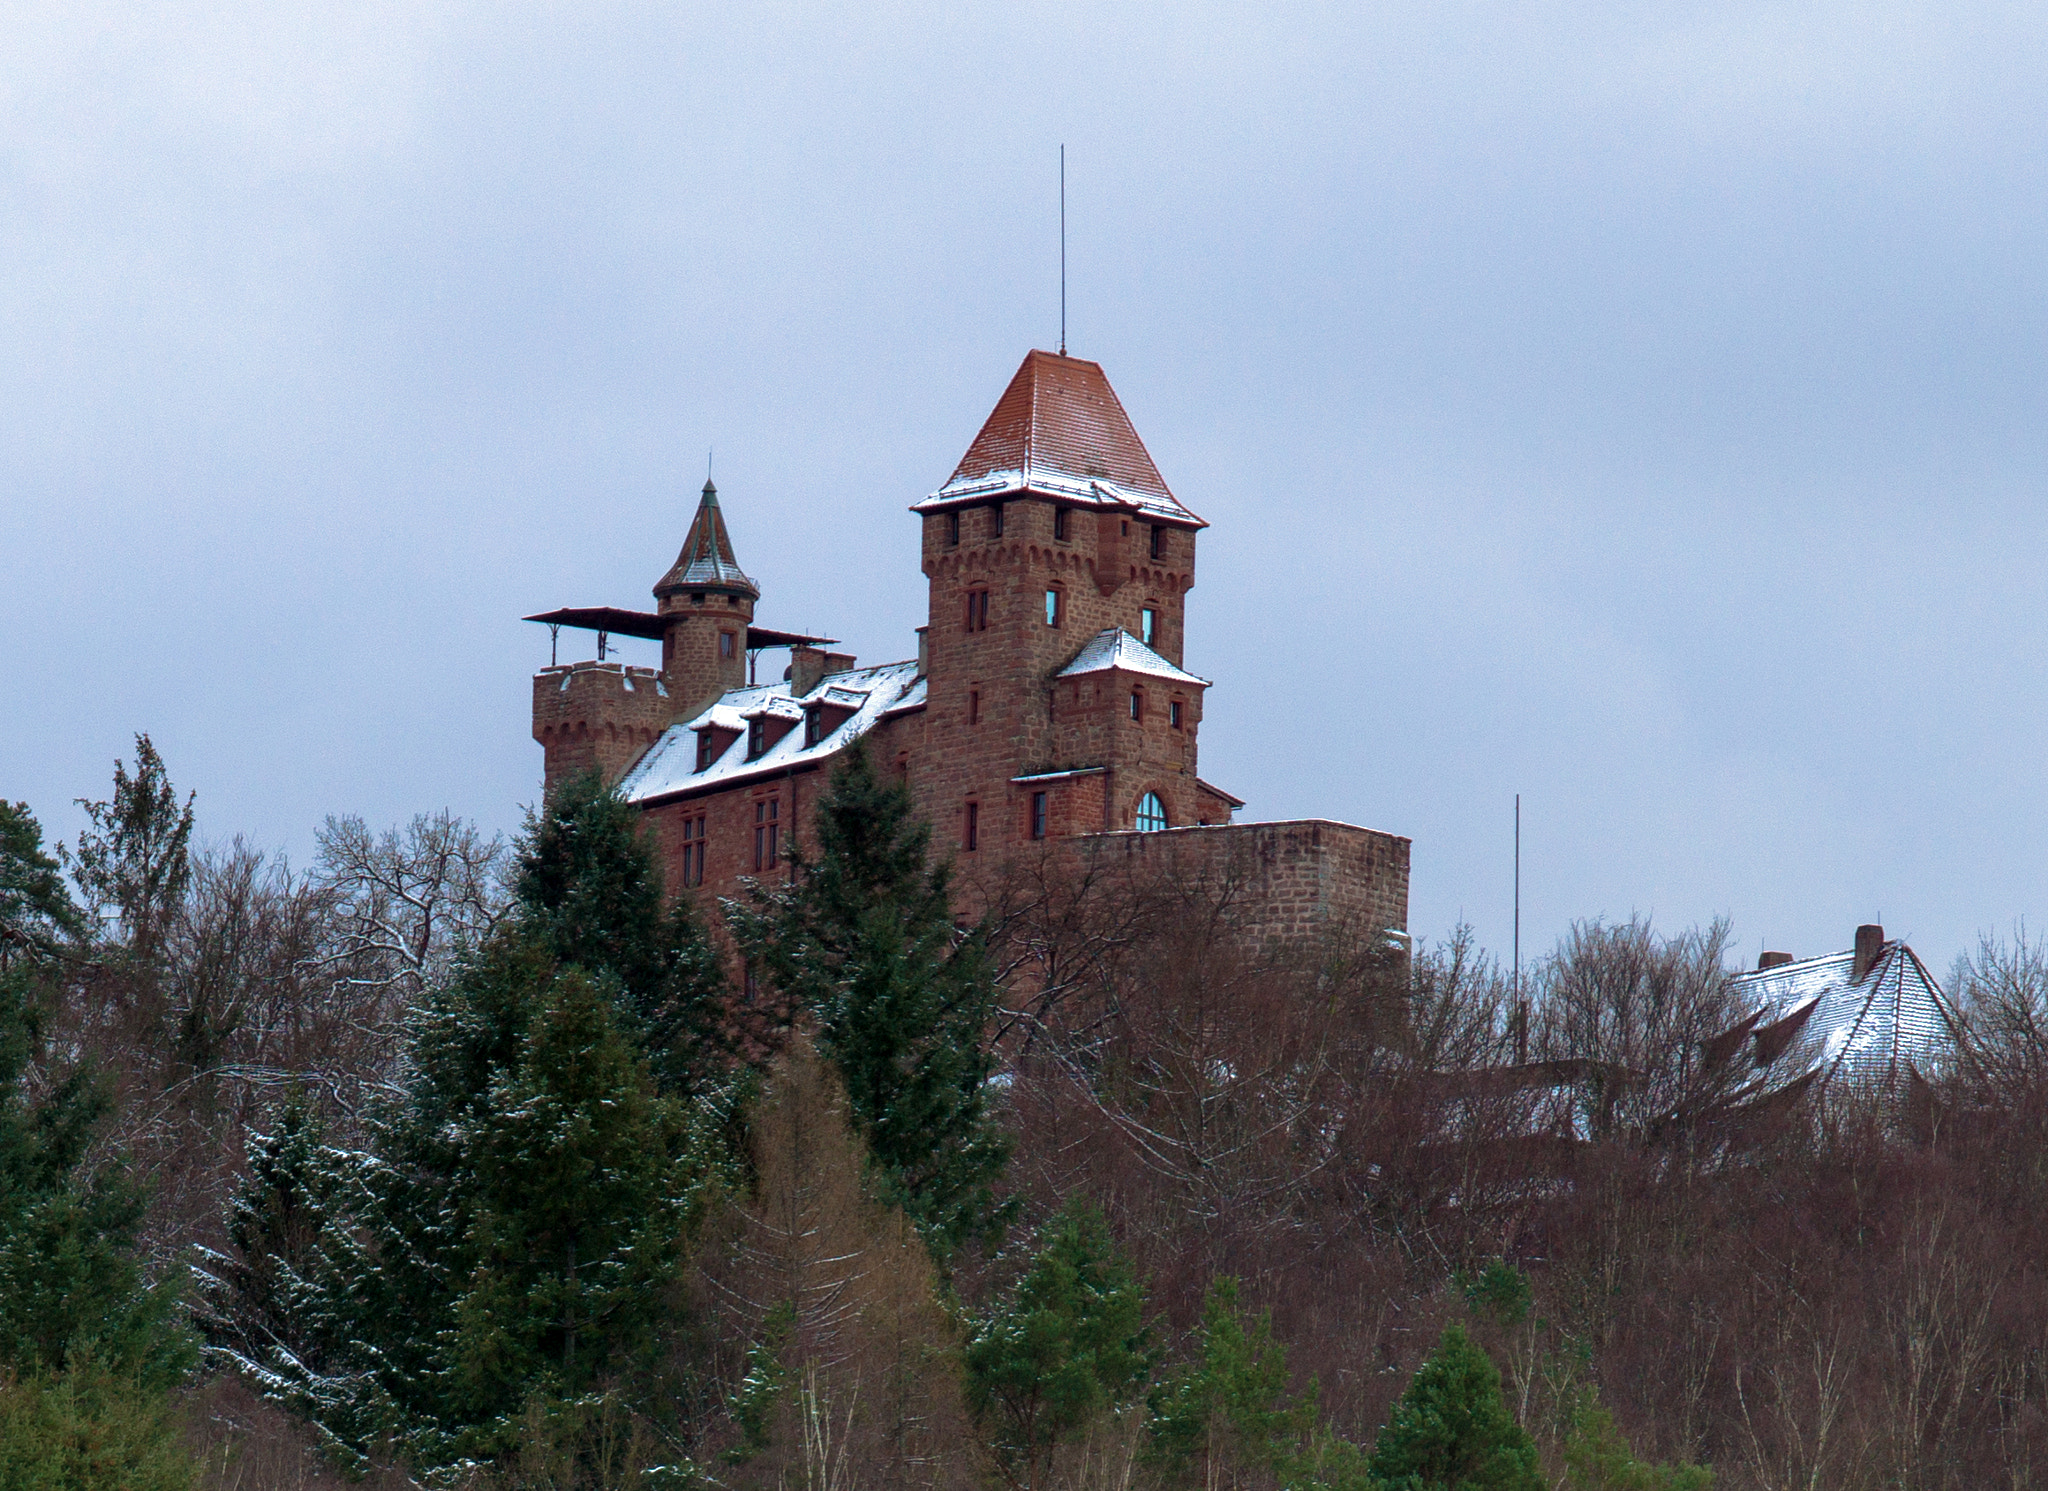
(1158, 540)
(1059, 522)
(970, 839)
(767, 832)
(1148, 625)
(995, 522)
(1041, 814)
(1173, 716)
(1159, 821)
(1055, 606)
(757, 738)
(1138, 706)
(728, 645)
(977, 608)
(953, 529)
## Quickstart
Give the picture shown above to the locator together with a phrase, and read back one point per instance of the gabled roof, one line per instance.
(706, 561)
(1059, 430)
(1893, 1018)
(1116, 648)
(669, 767)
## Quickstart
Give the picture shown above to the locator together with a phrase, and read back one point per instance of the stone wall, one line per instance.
(1292, 877)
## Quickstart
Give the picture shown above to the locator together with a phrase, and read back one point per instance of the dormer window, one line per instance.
(1158, 541)
(705, 755)
(757, 737)
(1059, 524)
(812, 730)
(1148, 626)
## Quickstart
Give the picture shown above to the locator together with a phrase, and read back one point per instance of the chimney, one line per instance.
(1869, 943)
(1773, 960)
(806, 667)
(839, 662)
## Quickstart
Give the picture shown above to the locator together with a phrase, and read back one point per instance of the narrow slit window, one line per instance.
(1148, 626)
(973, 840)
(1137, 704)
(1158, 541)
(1173, 713)
(1038, 815)
(1053, 606)
(974, 706)
(953, 529)
(977, 610)
(728, 646)
(995, 521)
(1059, 524)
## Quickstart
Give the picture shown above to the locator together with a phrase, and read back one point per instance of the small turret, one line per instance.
(706, 601)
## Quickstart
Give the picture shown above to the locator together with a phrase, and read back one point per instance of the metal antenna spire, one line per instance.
(1521, 1008)
(1063, 250)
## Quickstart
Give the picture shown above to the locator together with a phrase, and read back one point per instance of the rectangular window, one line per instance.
(767, 832)
(1038, 815)
(1059, 523)
(811, 723)
(974, 706)
(704, 756)
(1158, 541)
(977, 610)
(693, 850)
(953, 529)
(995, 521)
(1173, 714)
(1148, 626)
(1054, 605)
(1137, 704)
(974, 825)
(728, 646)
(757, 738)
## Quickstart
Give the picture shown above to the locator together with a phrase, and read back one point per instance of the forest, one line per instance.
(448, 1161)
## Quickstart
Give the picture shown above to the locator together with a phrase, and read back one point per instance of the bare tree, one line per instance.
(407, 900)
(2002, 991)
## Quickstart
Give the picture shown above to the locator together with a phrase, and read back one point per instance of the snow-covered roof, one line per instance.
(1059, 430)
(669, 767)
(1895, 1016)
(1113, 647)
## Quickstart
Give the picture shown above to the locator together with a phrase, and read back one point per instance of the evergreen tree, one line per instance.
(1597, 1458)
(1065, 1347)
(1231, 1408)
(864, 943)
(589, 890)
(88, 1430)
(70, 1287)
(1452, 1432)
(36, 911)
(134, 860)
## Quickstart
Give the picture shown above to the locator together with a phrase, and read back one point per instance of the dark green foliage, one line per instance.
(88, 1430)
(1597, 1458)
(1232, 1406)
(1066, 1346)
(758, 1398)
(589, 891)
(134, 860)
(36, 911)
(864, 943)
(1500, 1290)
(1452, 1432)
(69, 1283)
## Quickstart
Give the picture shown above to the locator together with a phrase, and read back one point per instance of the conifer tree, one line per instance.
(1451, 1431)
(1065, 1347)
(1231, 1408)
(134, 861)
(1598, 1458)
(864, 943)
(589, 889)
(37, 914)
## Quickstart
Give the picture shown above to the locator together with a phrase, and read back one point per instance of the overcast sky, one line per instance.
(1637, 407)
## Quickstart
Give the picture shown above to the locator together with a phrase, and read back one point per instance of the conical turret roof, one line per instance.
(1059, 430)
(706, 562)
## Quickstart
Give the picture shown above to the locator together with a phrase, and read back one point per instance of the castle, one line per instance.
(1048, 709)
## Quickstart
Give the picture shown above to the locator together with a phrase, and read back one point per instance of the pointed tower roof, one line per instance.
(1059, 430)
(706, 562)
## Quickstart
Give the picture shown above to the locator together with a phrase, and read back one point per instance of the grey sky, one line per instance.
(1635, 406)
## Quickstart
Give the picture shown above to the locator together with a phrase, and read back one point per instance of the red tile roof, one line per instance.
(1060, 428)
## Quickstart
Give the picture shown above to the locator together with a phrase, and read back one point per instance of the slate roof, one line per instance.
(706, 561)
(1893, 1018)
(1059, 430)
(669, 767)
(1113, 647)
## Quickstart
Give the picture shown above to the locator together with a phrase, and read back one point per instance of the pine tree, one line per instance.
(589, 889)
(70, 1286)
(36, 911)
(1452, 1432)
(864, 943)
(1598, 1458)
(1064, 1348)
(134, 861)
(1231, 1408)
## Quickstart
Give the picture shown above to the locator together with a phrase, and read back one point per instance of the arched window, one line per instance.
(1151, 813)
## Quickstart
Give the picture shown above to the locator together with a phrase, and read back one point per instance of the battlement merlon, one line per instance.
(597, 716)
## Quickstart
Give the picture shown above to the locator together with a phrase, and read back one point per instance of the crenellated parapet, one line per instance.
(597, 716)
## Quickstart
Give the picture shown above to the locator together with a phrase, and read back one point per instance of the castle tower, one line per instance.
(1057, 545)
(705, 603)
